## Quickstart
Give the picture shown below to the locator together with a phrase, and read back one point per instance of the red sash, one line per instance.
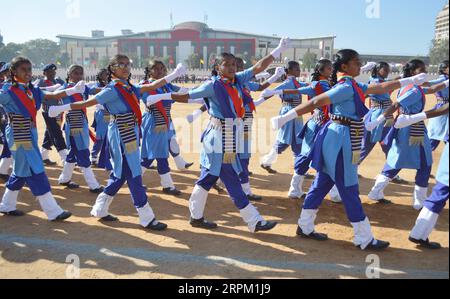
(131, 100)
(159, 105)
(48, 83)
(27, 101)
(237, 100)
(297, 85)
(319, 90)
(251, 103)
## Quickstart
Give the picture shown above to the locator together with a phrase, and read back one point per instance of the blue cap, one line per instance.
(5, 67)
(49, 67)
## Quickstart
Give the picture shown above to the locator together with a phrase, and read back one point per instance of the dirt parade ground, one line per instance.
(32, 247)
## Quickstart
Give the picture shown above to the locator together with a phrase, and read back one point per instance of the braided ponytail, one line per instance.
(342, 57)
(411, 67)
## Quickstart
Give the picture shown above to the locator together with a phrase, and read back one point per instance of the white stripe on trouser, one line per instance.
(247, 189)
(5, 164)
(306, 221)
(377, 192)
(251, 216)
(90, 179)
(296, 189)
(146, 215)
(9, 201)
(270, 158)
(420, 195)
(63, 155)
(44, 154)
(363, 233)
(66, 175)
(49, 206)
(166, 181)
(197, 202)
(101, 206)
(424, 225)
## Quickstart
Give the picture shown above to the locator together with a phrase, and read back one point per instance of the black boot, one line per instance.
(157, 226)
(379, 245)
(188, 165)
(203, 223)
(313, 235)
(253, 197)
(109, 218)
(170, 191)
(269, 169)
(48, 162)
(63, 216)
(70, 185)
(98, 190)
(260, 227)
(16, 213)
(426, 244)
(4, 177)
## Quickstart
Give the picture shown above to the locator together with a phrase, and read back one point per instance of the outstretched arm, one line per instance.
(264, 63)
(404, 121)
(387, 87)
(437, 87)
(178, 72)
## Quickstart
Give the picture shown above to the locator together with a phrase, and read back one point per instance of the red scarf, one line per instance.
(343, 76)
(159, 105)
(297, 85)
(79, 98)
(27, 100)
(131, 99)
(247, 92)
(235, 97)
(48, 83)
(319, 90)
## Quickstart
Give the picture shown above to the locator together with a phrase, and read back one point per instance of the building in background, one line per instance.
(442, 24)
(184, 41)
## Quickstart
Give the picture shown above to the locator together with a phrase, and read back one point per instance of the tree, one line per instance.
(309, 60)
(41, 51)
(193, 61)
(11, 50)
(438, 51)
(64, 60)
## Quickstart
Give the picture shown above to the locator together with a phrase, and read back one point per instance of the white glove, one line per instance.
(153, 99)
(178, 72)
(200, 101)
(91, 84)
(368, 67)
(80, 87)
(52, 88)
(404, 121)
(36, 82)
(55, 111)
(278, 73)
(259, 101)
(195, 115)
(263, 75)
(374, 124)
(285, 43)
(279, 121)
(183, 90)
(99, 107)
(415, 80)
(267, 93)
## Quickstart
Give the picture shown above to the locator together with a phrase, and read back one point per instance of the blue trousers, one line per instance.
(422, 175)
(38, 183)
(368, 145)
(244, 175)
(302, 164)
(81, 157)
(137, 191)
(296, 148)
(53, 134)
(6, 153)
(162, 165)
(350, 195)
(434, 144)
(96, 148)
(231, 181)
(438, 199)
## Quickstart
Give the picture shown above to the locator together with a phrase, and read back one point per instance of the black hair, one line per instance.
(99, 79)
(214, 71)
(150, 66)
(442, 66)
(410, 67)
(16, 63)
(291, 65)
(318, 69)
(380, 65)
(72, 68)
(224, 56)
(112, 62)
(342, 57)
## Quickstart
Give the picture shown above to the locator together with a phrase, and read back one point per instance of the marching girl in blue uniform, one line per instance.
(53, 133)
(438, 127)
(101, 118)
(223, 139)
(21, 101)
(159, 137)
(320, 83)
(5, 153)
(288, 135)
(120, 99)
(436, 202)
(336, 152)
(77, 132)
(410, 147)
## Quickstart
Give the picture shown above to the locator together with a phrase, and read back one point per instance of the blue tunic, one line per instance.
(401, 154)
(247, 151)
(112, 102)
(212, 155)
(438, 127)
(337, 137)
(442, 174)
(26, 161)
(155, 143)
(81, 137)
(294, 127)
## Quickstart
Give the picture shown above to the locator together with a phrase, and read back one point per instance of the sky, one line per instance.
(396, 27)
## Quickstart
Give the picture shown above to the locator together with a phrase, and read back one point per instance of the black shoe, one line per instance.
(380, 245)
(157, 226)
(64, 215)
(253, 197)
(250, 173)
(219, 189)
(152, 167)
(171, 191)
(98, 190)
(309, 176)
(203, 223)
(70, 185)
(400, 181)
(145, 187)
(266, 227)
(109, 218)
(384, 201)
(47, 162)
(426, 244)
(269, 169)
(4, 177)
(360, 176)
(313, 235)
(16, 213)
(188, 165)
